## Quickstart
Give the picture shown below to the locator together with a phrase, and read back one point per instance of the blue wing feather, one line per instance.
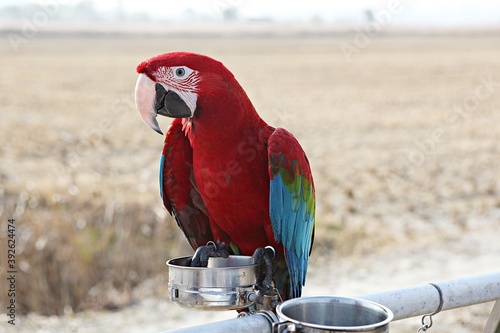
(162, 167)
(291, 204)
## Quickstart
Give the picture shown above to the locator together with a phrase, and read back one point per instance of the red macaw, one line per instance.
(226, 175)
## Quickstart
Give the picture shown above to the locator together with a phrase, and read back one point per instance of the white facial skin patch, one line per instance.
(183, 80)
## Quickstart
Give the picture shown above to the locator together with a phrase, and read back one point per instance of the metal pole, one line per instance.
(404, 303)
(249, 324)
(424, 299)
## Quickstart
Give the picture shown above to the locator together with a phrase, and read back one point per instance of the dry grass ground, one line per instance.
(404, 143)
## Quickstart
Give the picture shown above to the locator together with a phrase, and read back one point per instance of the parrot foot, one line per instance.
(264, 258)
(200, 257)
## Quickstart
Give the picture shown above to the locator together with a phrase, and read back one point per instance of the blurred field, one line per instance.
(404, 143)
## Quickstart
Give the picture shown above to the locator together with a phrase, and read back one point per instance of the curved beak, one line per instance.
(145, 95)
(152, 98)
(169, 104)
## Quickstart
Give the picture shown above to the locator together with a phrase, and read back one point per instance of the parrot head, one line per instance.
(174, 84)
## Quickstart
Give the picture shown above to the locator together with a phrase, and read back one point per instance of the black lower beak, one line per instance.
(168, 103)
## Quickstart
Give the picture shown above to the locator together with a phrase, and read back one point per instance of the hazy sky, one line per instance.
(413, 12)
(427, 12)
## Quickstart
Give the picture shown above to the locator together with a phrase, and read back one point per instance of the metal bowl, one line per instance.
(224, 285)
(323, 314)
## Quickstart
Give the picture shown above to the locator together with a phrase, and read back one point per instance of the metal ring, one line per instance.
(440, 307)
(212, 243)
(272, 249)
(441, 299)
(424, 325)
(422, 329)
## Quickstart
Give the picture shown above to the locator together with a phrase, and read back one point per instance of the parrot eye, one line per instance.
(181, 72)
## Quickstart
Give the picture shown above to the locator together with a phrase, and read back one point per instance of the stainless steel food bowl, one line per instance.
(332, 314)
(224, 285)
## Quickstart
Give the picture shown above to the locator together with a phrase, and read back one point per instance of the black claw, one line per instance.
(203, 253)
(264, 258)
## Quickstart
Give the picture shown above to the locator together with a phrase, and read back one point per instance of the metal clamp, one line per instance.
(285, 327)
(269, 315)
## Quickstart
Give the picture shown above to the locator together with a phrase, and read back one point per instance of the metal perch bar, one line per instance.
(424, 299)
(404, 303)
